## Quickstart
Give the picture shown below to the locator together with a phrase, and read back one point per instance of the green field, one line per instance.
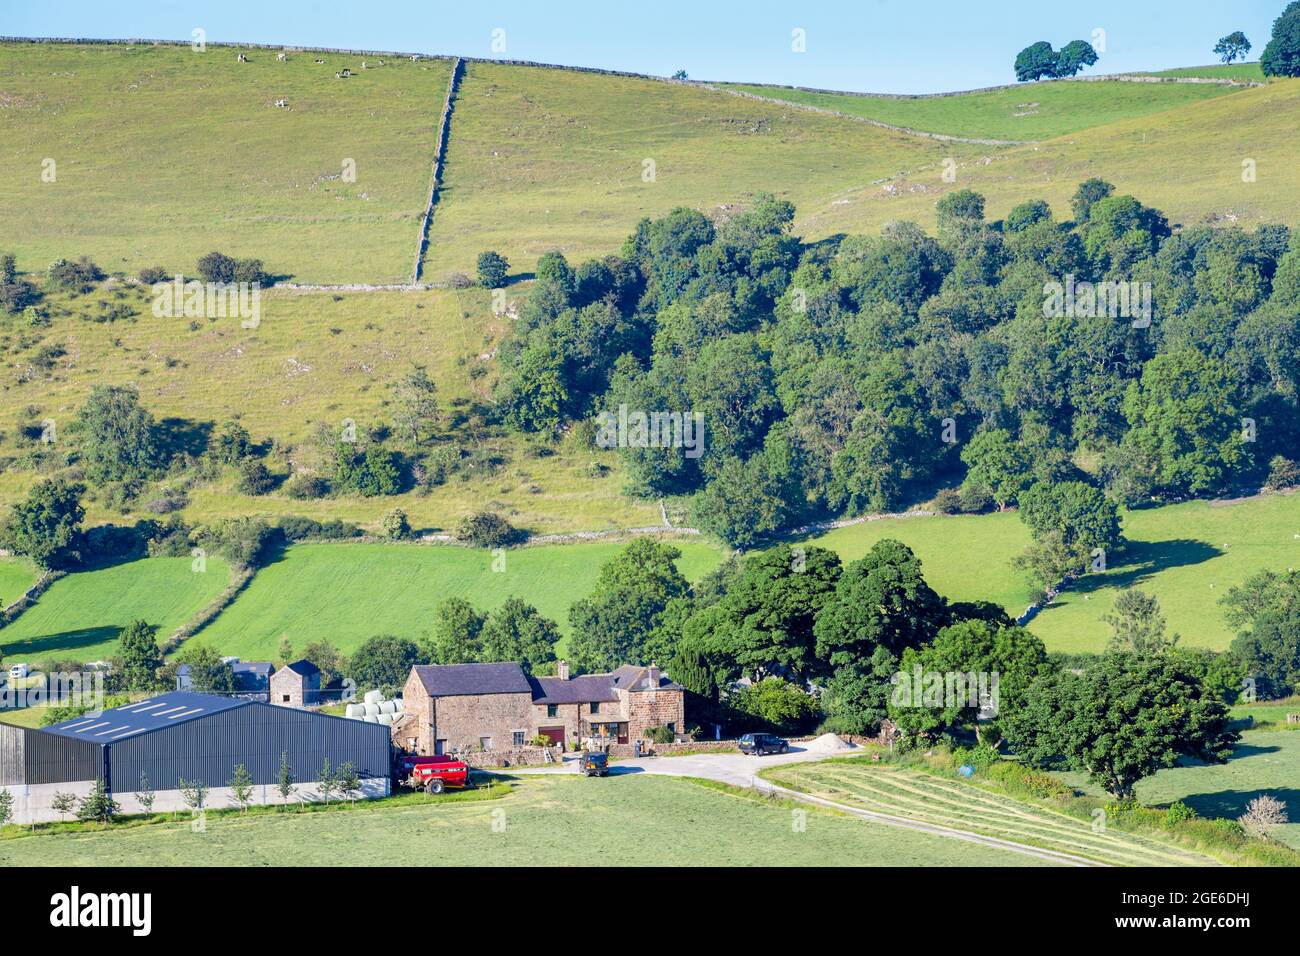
(163, 154)
(1265, 762)
(626, 820)
(1223, 71)
(543, 159)
(79, 617)
(16, 576)
(1022, 113)
(1187, 555)
(348, 592)
(918, 795)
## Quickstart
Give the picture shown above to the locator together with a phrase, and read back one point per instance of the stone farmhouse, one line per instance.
(469, 707)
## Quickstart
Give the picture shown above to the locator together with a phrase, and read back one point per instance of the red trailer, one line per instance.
(432, 774)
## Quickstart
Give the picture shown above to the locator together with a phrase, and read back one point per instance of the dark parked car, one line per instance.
(595, 764)
(759, 744)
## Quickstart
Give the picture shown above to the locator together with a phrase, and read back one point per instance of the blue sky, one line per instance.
(905, 46)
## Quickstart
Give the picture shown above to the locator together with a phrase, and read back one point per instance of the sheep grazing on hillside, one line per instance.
(241, 59)
(343, 74)
(318, 60)
(281, 57)
(414, 57)
(282, 104)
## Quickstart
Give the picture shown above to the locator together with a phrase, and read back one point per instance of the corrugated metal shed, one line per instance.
(31, 757)
(191, 736)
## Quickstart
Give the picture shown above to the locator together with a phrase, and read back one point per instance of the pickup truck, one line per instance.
(431, 774)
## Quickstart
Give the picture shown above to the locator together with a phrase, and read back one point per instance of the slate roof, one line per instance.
(575, 690)
(165, 710)
(633, 678)
(303, 668)
(468, 680)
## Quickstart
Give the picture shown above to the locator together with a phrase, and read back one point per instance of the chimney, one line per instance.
(652, 676)
(562, 669)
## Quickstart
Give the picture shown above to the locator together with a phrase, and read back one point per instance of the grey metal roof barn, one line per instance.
(190, 736)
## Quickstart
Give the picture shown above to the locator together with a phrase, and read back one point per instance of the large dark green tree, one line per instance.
(456, 636)
(119, 439)
(1266, 608)
(139, 655)
(383, 662)
(612, 625)
(517, 631)
(1281, 56)
(46, 526)
(1120, 720)
(764, 624)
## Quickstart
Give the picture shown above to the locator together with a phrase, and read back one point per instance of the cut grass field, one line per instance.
(1264, 762)
(348, 592)
(543, 159)
(163, 154)
(313, 359)
(917, 795)
(1030, 112)
(79, 617)
(626, 820)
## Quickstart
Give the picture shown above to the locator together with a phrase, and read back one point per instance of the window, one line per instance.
(552, 710)
(672, 727)
(284, 699)
(518, 738)
(485, 743)
(595, 706)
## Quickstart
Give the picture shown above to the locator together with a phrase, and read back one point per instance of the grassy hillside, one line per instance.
(315, 358)
(1029, 112)
(349, 592)
(1187, 555)
(560, 820)
(79, 617)
(1185, 161)
(16, 576)
(1265, 762)
(545, 159)
(1228, 71)
(164, 154)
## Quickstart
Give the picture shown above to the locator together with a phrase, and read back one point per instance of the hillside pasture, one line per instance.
(16, 576)
(79, 617)
(543, 159)
(1264, 762)
(346, 593)
(315, 359)
(1028, 112)
(163, 154)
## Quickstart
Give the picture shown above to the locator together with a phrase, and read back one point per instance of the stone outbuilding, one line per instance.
(296, 685)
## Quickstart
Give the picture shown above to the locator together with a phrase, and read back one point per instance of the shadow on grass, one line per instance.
(63, 641)
(1142, 559)
(1232, 803)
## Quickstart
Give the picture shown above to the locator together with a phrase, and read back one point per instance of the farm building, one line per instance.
(296, 684)
(489, 707)
(251, 677)
(184, 736)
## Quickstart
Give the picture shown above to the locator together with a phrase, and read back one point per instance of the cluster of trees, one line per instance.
(1039, 61)
(1281, 56)
(860, 373)
(822, 641)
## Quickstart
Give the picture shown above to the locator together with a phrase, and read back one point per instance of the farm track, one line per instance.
(932, 800)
